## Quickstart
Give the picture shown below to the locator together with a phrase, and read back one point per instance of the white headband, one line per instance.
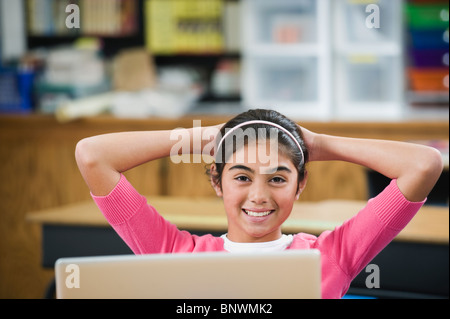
(267, 123)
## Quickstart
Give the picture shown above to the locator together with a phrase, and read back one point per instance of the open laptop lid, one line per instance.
(290, 274)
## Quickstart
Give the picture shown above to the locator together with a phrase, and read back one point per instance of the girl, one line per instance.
(259, 191)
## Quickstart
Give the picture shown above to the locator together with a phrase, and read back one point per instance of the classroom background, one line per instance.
(76, 68)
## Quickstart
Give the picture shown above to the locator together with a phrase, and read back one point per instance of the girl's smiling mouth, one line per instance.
(257, 213)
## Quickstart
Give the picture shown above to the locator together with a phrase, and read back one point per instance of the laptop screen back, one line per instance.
(219, 275)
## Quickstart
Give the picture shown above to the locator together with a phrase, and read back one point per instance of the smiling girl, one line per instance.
(259, 192)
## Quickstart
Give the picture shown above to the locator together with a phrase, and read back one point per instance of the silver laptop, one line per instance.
(219, 275)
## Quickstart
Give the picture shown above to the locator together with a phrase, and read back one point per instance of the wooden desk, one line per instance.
(430, 225)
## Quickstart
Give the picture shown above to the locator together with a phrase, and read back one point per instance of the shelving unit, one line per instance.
(286, 57)
(309, 59)
(171, 13)
(329, 65)
(328, 59)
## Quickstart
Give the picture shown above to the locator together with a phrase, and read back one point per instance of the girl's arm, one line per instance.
(416, 167)
(101, 159)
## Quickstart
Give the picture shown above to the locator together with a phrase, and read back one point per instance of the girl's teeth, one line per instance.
(255, 214)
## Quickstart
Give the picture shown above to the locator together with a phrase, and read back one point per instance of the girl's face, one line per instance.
(258, 196)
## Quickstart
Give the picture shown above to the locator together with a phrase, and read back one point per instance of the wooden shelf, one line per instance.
(396, 130)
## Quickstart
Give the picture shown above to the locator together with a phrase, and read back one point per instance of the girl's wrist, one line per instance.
(315, 147)
(325, 147)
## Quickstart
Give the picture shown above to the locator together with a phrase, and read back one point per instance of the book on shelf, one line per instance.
(97, 17)
(185, 26)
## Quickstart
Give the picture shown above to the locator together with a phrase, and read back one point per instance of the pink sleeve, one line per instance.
(356, 242)
(143, 229)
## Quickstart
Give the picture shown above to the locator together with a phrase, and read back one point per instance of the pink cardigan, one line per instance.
(345, 251)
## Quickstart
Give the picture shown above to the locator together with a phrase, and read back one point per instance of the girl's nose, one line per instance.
(258, 193)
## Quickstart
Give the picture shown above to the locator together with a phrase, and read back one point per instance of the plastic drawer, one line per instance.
(368, 78)
(355, 19)
(287, 80)
(285, 21)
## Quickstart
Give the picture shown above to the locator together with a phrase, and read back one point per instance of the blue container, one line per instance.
(429, 39)
(16, 90)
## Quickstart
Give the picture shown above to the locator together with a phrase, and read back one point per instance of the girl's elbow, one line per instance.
(84, 154)
(434, 164)
(420, 178)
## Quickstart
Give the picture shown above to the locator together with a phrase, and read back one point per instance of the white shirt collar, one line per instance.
(275, 245)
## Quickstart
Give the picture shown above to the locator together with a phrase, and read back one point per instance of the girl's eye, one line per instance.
(242, 178)
(278, 180)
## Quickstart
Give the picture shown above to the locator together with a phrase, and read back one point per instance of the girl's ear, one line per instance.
(301, 185)
(217, 188)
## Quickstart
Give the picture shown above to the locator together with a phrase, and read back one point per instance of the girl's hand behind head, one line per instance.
(312, 142)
